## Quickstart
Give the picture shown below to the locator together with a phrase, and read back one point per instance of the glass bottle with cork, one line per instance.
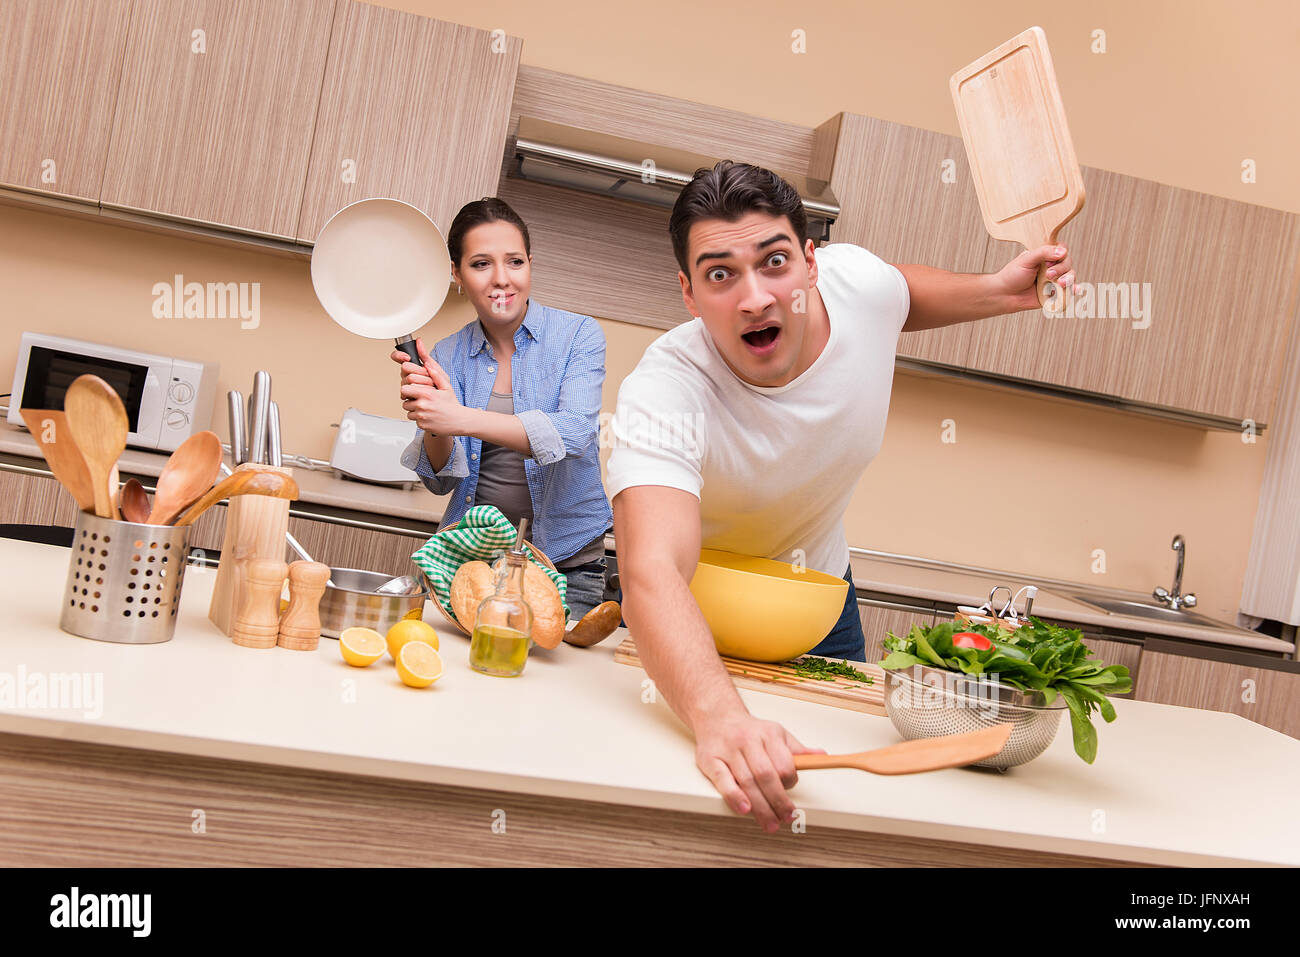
(503, 627)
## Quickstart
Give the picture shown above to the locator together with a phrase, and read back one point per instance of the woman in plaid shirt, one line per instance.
(508, 407)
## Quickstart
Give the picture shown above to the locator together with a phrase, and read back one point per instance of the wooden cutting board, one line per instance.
(1021, 155)
(784, 680)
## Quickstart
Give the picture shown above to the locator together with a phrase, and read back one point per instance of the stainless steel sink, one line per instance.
(1119, 606)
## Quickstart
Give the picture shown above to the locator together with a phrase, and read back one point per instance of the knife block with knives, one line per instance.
(256, 525)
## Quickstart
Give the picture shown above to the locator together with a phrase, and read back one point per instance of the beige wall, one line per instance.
(1185, 92)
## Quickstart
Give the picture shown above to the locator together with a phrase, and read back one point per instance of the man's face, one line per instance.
(751, 283)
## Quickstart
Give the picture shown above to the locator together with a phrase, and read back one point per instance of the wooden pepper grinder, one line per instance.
(257, 623)
(300, 624)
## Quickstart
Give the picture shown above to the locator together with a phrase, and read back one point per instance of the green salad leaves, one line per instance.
(1037, 656)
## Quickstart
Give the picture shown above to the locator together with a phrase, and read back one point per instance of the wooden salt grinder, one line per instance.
(300, 624)
(257, 624)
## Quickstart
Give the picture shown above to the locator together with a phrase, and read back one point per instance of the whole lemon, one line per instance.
(410, 630)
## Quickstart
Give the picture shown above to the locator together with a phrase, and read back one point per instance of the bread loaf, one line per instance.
(475, 581)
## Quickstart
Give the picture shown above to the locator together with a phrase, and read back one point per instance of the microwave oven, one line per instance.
(167, 399)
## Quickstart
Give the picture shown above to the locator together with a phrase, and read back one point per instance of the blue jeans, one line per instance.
(846, 639)
(586, 587)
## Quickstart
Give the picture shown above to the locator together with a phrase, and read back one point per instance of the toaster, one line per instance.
(369, 448)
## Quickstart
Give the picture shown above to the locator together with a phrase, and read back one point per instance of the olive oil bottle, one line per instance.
(503, 627)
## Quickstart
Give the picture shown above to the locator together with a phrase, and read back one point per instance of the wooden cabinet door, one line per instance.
(27, 499)
(412, 108)
(60, 67)
(1112, 652)
(880, 618)
(218, 101)
(1265, 696)
(344, 546)
(1213, 329)
(1109, 242)
(906, 195)
(1223, 276)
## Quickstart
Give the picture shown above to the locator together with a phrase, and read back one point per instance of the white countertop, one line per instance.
(1170, 785)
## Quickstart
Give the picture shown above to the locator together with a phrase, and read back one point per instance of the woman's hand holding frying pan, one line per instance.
(428, 398)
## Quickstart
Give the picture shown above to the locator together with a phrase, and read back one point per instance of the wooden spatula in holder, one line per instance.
(255, 529)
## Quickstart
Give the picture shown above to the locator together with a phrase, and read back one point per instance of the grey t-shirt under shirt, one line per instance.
(501, 479)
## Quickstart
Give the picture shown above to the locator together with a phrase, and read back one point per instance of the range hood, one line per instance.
(640, 172)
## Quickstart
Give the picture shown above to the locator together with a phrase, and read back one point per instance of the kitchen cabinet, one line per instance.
(201, 533)
(29, 499)
(1107, 246)
(412, 108)
(60, 66)
(879, 618)
(336, 543)
(215, 116)
(1216, 335)
(591, 238)
(1271, 588)
(1212, 336)
(1112, 652)
(904, 194)
(344, 546)
(1266, 693)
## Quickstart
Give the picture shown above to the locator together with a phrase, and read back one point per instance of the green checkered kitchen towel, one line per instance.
(482, 534)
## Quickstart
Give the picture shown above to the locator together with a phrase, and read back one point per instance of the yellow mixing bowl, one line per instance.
(763, 610)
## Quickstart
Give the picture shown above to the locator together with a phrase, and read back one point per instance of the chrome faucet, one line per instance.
(1176, 599)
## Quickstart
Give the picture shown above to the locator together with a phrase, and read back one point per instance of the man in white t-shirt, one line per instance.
(748, 428)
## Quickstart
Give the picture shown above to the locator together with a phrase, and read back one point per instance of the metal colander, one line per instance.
(925, 702)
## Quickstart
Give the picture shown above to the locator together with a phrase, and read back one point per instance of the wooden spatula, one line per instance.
(99, 425)
(1021, 155)
(189, 473)
(911, 757)
(49, 428)
(275, 484)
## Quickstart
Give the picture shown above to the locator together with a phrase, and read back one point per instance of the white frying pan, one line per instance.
(381, 270)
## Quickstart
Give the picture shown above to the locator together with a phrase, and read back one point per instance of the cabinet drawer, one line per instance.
(1228, 681)
(879, 618)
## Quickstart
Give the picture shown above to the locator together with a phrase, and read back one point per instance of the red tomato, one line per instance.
(971, 639)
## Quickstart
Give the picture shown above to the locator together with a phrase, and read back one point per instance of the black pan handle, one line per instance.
(407, 344)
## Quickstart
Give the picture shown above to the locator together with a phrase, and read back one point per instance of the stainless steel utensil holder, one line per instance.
(124, 580)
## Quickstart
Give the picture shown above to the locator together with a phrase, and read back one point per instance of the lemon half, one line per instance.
(361, 646)
(418, 665)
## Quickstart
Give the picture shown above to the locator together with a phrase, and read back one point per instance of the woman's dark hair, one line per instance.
(489, 209)
(728, 191)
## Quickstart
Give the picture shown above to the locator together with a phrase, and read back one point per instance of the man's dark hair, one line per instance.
(489, 209)
(728, 191)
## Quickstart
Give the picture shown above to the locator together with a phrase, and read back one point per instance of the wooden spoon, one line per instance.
(135, 502)
(99, 426)
(49, 428)
(189, 473)
(275, 484)
(923, 754)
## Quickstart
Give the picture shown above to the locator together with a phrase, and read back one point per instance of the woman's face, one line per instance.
(495, 273)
